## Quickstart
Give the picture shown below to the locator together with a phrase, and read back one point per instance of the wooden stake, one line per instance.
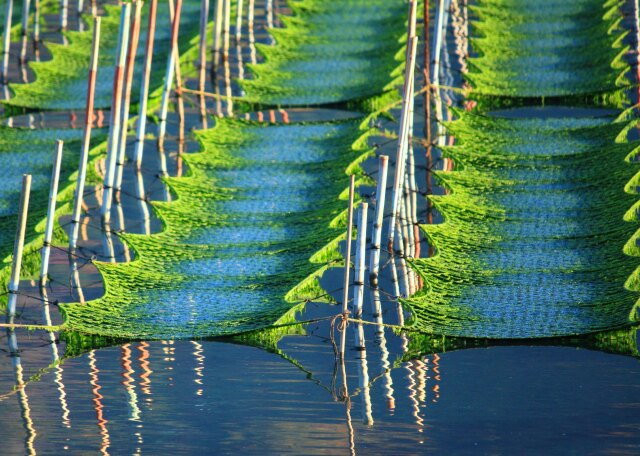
(227, 70)
(6, 46)
(178, 83)
(358, 289)
(18, 247)
(144, 85)
(64, 14)
(36, 30)
(51, 214)
(217, 39)
(168, 83)
(252, 36)
(239, 21)
(347, 261)
(86, 136)
(26, 9)
(376, 237)
(402, 132)
(204, 20)
(116, 110)
(134, 37)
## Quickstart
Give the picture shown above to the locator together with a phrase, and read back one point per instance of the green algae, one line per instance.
(547, 49)
(61, 82)
(312, 63)
(237, 239)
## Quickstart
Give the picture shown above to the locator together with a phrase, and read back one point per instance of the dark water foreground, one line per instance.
(204, 397)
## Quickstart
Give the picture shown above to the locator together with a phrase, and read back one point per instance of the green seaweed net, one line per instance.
(548, 48)
(61, 83)
(538, 221)
(234, 253)
(331, 52)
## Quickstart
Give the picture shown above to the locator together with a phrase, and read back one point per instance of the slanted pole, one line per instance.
(376, 236)
(64, 15)
(116, 111)
(134, 37)
(144, 85)
(217, 39)
(51, 214)
(239, 21)
(36, 29)
(347, 262)
(202, 75)
(168, 83)
(402, 142)
(18, 247)
(358, 288)
(24, 30)
(86, 136)
(6, 47)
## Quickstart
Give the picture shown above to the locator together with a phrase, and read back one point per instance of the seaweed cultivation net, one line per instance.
(236, 241)
(330, 52)
(547, 48)
(61, 82)
(538, 238)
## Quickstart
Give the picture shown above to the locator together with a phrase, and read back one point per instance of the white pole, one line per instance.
(168, 83)
(239, 21)
(64, 13)
(376, 237)
(86, 136)
(116, 110)
(6, 46)
(252, 35)
(227, 71)
(36, 29)
(402, 138)
(18, 247)
(26, 7)
(217, 38)
(144, 85)
(51, 214)
(134, 36)
(347, 261)
(358, 290)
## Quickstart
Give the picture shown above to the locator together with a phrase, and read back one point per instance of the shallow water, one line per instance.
(193, 397)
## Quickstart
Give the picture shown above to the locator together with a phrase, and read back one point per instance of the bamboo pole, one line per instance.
(347, 261)
(86, 136)
(24, 30)
(400, 153)
(64, 14)
(227, 70)
(144, 85)
(252, 35)
(116, 110)
(6, 47)
(358, 290)
(636, 13)
(202, 77)
(427, 103)
(36, 30)
(168, 83)
(134, 37)
(376, 237)
(217, 39)
(239, 21)
(51, 214)
(178, 83)
(18, 247)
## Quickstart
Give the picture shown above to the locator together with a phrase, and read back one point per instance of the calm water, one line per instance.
(203, 397)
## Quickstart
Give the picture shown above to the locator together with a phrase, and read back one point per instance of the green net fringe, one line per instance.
(61, 83)
(331, 52)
